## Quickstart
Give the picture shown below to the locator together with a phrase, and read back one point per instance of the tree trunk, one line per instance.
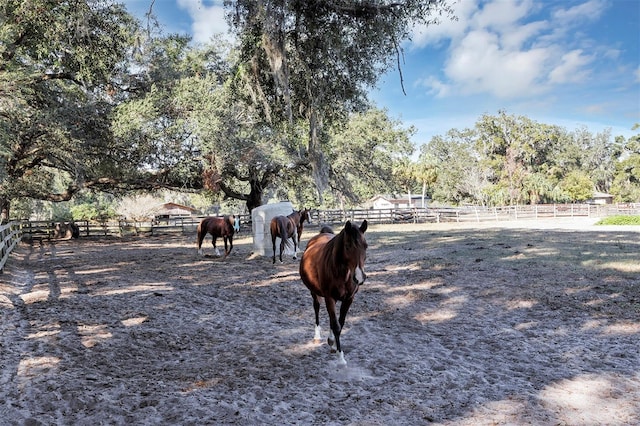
(320, 169)
(255, 195)
(5, 205)
(424, 194)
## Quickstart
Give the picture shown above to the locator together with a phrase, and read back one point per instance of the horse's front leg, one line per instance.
(316, 308)
(344, 308)
(336, 328)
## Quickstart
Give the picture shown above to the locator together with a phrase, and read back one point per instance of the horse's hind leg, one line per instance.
(295, 247)
(273, 243)
(213, 241)
(226, 251)
(283, 241)
(230, 238)
(200, 238)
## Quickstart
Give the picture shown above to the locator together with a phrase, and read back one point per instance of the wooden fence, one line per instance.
(475, 213)
(30, 231)
(9, 236)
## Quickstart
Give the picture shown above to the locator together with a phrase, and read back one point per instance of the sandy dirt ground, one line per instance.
(457, 324)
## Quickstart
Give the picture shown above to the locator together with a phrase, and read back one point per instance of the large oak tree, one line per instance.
(315, 60)
(56, 61)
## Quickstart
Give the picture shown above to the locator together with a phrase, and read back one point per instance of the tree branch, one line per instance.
(61, 76)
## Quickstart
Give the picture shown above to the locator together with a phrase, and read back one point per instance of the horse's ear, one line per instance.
(347, 225)
(363, 227)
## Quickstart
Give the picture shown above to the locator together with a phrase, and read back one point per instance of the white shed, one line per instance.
(261, 220)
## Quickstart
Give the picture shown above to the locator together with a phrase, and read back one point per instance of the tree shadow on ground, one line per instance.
(456, 326)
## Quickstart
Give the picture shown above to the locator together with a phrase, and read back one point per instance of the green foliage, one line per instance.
(620, 220)
(459, 177)
(92, 212)
(577, 186)
(57, 61)
(313, 61)
(509, 159)
(367, 155)
(87, 100)
(626, 182)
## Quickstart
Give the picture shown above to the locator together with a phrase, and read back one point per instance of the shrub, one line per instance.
(620, 220)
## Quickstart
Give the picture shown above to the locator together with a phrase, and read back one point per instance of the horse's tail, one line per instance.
(230, 222)
(201, 233)
(284, 234)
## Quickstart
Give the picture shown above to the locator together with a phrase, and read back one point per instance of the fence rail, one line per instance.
(30, 231)
(475, 213)
(47, 230)
(9, 236)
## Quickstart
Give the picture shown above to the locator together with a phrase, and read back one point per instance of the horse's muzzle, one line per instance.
(359, 276)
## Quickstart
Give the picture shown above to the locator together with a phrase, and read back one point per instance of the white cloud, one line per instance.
(434, 86)
(479, 64)
(637, 73)
(499, 15)
(499, 48)
(208, 20)
(517, 37)
(571, 68)
(590, 10)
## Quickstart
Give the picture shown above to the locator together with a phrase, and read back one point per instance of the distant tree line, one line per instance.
(506, 160)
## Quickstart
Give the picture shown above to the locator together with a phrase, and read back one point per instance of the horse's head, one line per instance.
(355, 251)
(304, 215)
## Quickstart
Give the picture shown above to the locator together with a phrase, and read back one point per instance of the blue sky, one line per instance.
(571, 62)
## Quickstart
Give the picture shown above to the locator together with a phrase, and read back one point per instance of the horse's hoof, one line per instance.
(341, 360)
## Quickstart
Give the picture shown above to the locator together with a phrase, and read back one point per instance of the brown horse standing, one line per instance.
(287, 227)
(332, 267)
(217, 227)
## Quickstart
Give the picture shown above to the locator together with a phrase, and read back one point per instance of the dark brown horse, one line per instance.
(217, 227)
(286, 227)
(332, 267)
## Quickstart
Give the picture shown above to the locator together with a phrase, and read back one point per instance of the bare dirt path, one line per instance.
(515, 323)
